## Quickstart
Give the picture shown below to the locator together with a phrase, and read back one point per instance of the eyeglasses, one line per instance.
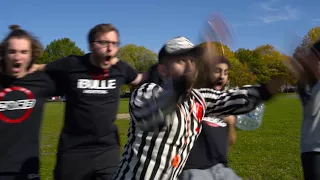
(108, 43)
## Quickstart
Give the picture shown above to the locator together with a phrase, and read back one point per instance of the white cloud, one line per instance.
(247, 24)
(285, 13)
(269, 12)
(267, 5)
(316, 20)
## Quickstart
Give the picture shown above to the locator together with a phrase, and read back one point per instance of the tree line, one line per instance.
(249, 66)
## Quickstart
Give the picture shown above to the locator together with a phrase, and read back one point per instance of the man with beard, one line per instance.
(166, 118)
(89, 146)
(209, 155)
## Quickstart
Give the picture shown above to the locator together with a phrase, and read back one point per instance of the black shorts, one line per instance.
(29, 171)
(311, 165)
(100, 164)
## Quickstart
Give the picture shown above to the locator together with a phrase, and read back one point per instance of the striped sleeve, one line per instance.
(149, 105)
(234, 101)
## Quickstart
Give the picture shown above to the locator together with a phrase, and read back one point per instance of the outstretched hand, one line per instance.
(295, 69)
(303, 64)
(306, 69)
(311, 64)
(36, 67)
(274, 84)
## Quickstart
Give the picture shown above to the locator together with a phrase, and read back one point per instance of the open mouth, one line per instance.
(107, 60)
(16, 67)
(218, 85)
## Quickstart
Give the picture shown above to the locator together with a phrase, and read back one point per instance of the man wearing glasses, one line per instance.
(89, 146)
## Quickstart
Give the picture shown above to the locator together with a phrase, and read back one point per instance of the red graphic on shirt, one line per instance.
(101, 76)
(212, 124)
(24, 104)
(199, 111)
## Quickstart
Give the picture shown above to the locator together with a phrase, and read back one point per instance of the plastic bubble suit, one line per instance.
(251, 120)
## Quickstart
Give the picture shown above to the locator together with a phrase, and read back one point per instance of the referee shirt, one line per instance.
(161, 137)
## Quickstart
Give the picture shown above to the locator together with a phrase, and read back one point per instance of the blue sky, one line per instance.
(151, 23)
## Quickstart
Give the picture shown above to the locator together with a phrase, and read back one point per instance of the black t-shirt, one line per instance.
(92, 101)
(21, 108)
(211, 147)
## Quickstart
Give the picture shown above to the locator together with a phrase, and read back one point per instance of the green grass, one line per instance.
(271, 152)
(124, 107)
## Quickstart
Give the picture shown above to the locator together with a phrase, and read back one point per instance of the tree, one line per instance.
(311, 37)
(222, 49)
(253, 59)
(43, 59)
(138, 57)
(245, 56)
(240, 74)
(264, 61)
(314, 34)
(60, 48)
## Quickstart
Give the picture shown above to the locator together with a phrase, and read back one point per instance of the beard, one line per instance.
(183, 85)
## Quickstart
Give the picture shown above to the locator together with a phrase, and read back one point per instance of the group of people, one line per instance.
(181, 116)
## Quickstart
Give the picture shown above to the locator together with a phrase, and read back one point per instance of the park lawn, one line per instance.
(124, 107)
(271, 152)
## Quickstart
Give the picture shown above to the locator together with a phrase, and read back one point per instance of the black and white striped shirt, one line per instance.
(160, 138)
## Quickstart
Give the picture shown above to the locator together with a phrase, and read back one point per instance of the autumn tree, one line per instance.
(240, 74)
(139, 57)
(58, 49)
(314, 34)
(264, 61)
(246, 56)
(255, 63)
(273, 59)
(221, 49)
(311, 37)
(224, 50)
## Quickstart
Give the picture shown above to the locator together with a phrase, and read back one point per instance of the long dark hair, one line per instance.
(17, 32)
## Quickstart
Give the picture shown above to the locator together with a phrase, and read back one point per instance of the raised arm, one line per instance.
(234, 101)
(149, 106)
(58, 72)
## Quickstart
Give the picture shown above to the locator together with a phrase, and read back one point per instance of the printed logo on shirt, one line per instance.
(33, 176)
(93, 86)
(214, 122)
(23, 105)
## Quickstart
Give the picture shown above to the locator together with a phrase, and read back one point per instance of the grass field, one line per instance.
(271, 152)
